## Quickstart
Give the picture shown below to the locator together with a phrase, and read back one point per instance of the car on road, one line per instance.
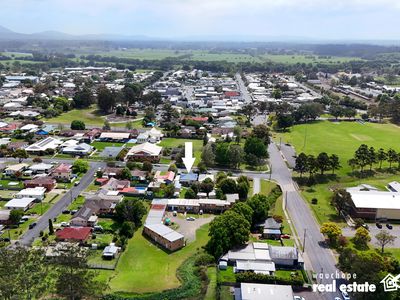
(345, 295)
(190, 219)
(31, 226)
(388, 226)
(298, 298)
(77, 183)
(379, 225)
(337, 298)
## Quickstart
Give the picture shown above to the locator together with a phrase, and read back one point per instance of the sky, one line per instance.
(186, 19)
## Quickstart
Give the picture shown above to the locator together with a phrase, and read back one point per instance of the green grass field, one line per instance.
(88, 116)
(341, 138)
(211, 293)
(173, 143)
(144, 267)
(313, 59)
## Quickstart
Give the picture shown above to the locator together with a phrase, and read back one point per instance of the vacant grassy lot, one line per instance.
(173, 143)
(341, 138)
(89, 116)
(144, 267)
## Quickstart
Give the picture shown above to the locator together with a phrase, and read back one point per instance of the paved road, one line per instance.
(316, 255)
(243, 89)
(60, 205)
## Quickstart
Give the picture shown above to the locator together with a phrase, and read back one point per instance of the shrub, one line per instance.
(314, 201)
(204, 260)
(296, 280)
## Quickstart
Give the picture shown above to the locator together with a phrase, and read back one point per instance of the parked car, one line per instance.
(64, 224)
(285, 236)
(190, 219)
(379, 225)
(77, 183)
(66, 212)
(32, 225)
(365, 226)
(298, 298)
(389, 226)
(98, 228)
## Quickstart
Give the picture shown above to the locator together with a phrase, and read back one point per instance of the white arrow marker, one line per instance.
(188, 160)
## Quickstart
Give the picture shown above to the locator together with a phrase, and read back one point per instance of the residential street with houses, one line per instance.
(59, 206)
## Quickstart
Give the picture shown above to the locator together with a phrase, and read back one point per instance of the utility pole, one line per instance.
(304, 239)
(305, 138)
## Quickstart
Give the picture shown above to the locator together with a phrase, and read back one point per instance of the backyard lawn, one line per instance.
(144, 267)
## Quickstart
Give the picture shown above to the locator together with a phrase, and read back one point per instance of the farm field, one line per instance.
(144, 267)
(341, 138)
(294, 59)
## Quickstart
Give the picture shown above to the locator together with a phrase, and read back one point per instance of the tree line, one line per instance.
(366, 156)
(312, 164)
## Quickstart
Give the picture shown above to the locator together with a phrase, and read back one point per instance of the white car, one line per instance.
(337, 298)
(298, 298)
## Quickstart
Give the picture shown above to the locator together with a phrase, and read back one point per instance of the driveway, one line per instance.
(373, 230)
(188, 228)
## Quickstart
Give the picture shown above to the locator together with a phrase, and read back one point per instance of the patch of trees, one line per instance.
(232, 228)
(366, 157)
(296, 279)
(26, 273)
(312, 164)
(78, 125)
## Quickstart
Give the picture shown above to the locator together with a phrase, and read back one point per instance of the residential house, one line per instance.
(286, 256)
(161, 234)
(187, 179)
(43, 146)
(47, 182)
(91, 135)
(122, 137)
(257, 291)
(272, 229)
(62, 173)
(5, 217)
(138, 175)
(144, 152)
(74, 234)
(114, 184)
(81, 149)
(23, 203)
(41, 168)
(12, 146)
(17, 168)
(36, 193)
(152, 136)
(166, 177)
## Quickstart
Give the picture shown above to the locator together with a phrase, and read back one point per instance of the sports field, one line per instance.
(341, 138)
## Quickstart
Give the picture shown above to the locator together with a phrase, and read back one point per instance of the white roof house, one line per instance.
(29, 127)
(147, 149)
(19, 203)
(166, 232)
(376, 199)
(41, 167)
(43, 145)
(256, 291)
(115, 135)
(394, 186)
(80, 149)
(33, 193)
(111, 250)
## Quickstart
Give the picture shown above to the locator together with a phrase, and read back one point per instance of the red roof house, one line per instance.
(74, 234)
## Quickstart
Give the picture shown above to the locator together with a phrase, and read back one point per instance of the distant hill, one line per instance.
(7, 34)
